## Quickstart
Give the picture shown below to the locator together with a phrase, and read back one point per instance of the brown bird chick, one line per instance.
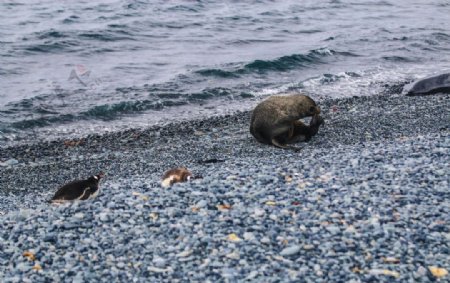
(275, 120)
(78, 190)
(175, 175)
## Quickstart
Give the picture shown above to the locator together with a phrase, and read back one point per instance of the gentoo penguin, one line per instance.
(78, 190)
(175, 175)
(275, 121)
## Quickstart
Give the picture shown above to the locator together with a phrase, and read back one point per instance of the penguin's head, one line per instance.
(185, 174)
(96, 178)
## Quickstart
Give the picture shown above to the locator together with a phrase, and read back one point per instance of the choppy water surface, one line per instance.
(76, 67)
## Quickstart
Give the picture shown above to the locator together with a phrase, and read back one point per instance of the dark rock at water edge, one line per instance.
(431, 85)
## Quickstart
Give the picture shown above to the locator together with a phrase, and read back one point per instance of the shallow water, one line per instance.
(78, 67)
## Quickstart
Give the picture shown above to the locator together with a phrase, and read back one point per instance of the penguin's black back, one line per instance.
(75, 190)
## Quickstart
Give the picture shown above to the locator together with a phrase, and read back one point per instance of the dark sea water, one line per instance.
(70, 68)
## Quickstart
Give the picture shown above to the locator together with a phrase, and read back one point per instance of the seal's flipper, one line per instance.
(284, 146)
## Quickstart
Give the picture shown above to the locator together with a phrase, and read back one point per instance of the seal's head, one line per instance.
(308, 104)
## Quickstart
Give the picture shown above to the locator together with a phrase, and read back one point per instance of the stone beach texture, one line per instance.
(366, 200)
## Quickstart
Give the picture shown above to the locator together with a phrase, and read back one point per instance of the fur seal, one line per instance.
(275, 120)
(78, 190)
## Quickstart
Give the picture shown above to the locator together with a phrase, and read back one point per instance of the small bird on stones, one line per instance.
(78, 190)
(175, 175)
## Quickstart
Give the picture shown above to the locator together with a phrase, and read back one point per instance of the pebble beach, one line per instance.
(366, 200)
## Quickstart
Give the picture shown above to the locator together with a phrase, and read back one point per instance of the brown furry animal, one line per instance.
(175, 175)
(275, 120)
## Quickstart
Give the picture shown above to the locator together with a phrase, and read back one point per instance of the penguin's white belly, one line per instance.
(94, 194)
(83, 194)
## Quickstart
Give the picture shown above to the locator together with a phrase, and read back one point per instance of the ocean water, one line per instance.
(70, 68)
